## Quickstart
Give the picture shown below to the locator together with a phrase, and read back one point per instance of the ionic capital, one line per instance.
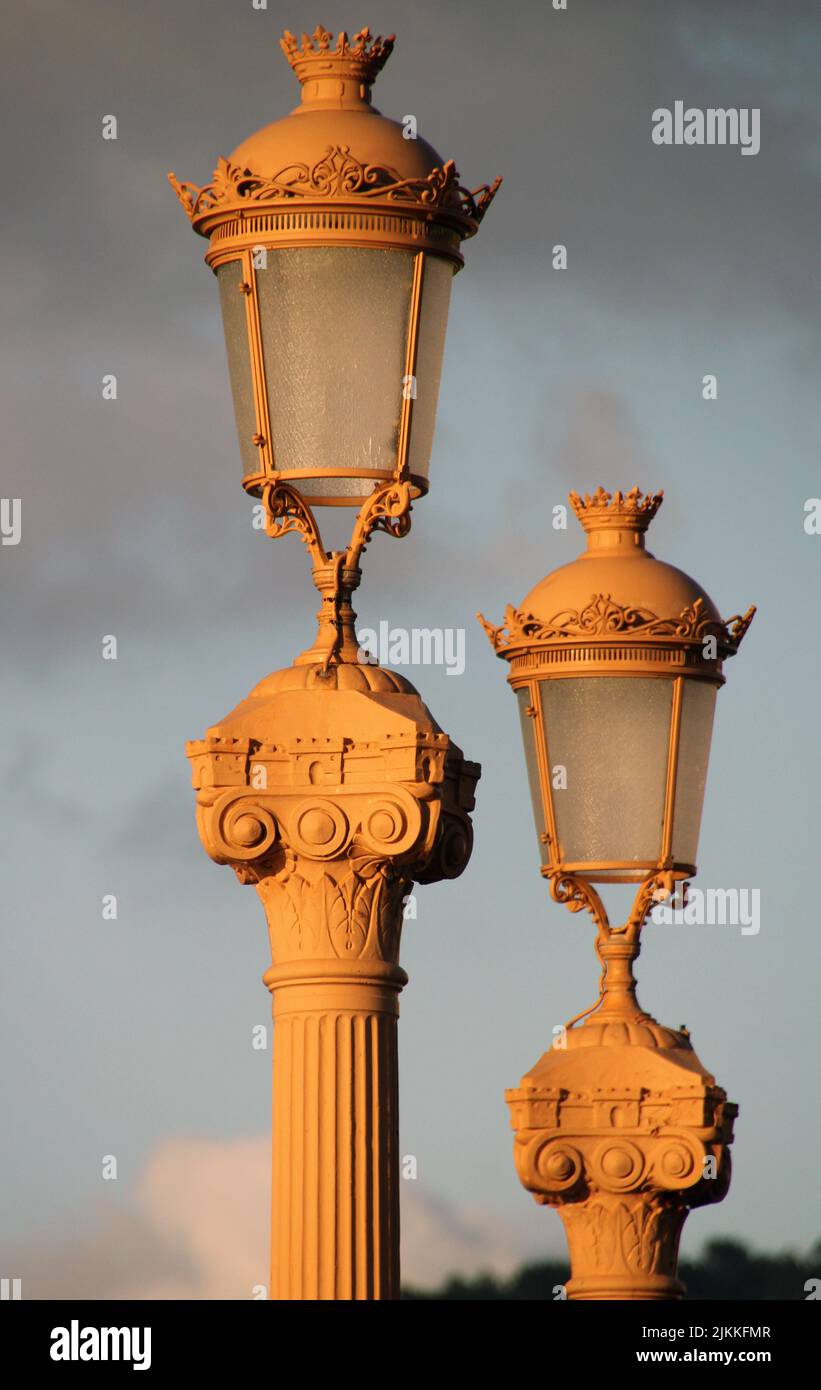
(623, 1131)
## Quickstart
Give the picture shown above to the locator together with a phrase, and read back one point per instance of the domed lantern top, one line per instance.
(335, 233)
(615, 660)
(335, 117)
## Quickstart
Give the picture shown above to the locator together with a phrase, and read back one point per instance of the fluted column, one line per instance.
(335, 1210)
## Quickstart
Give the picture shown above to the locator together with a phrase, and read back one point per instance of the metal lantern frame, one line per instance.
(339, 201)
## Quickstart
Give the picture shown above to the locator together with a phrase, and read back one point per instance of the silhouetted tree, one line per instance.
(726, 1269)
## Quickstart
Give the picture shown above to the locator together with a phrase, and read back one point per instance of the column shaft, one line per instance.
(335, 1202)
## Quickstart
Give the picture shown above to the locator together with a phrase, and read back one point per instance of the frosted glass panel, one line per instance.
(335, 331)
(239, 361)
(531, 759)
(433, 322)
(697, 710)
(611, 735)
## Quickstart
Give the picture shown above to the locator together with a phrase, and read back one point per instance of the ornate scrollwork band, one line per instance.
(337, 175)
(257, 827)
(603, 618)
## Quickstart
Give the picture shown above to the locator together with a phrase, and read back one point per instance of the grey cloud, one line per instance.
(126, 503)
(196, 1228)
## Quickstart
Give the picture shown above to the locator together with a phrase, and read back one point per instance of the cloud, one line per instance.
(197, 1228)
(440, 1238)
(600, 441)
(131, 509)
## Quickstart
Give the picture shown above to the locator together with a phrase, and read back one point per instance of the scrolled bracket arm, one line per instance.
(285, 512)
(387, 509)
(653, 890)
(577, 895)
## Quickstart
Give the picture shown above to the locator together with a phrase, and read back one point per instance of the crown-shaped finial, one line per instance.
(359, 58)
(624, 511)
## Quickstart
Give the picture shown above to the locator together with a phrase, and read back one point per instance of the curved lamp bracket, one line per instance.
(336, 573)
(577, 895)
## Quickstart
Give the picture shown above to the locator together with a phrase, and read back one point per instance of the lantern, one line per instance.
(334, 234)
(616, 659)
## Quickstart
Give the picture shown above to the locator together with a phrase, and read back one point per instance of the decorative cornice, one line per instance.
(337, 175)
(603, 619)
(220, 761)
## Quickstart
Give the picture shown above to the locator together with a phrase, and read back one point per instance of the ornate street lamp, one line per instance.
(334, 235)
(616, 659)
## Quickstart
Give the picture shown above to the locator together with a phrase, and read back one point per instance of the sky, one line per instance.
(133, 1038)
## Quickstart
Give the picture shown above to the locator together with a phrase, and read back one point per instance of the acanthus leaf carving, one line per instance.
(639, 1235)
(620, 1237)
(601, 1234)
(357, 915)
(282, 904)
(347, 917)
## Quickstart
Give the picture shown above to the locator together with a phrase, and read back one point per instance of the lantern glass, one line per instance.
(433, 322)
(334, 338)
(529, 734)
(697, 710)
(235, 323)
(335, 325)
(608, 740)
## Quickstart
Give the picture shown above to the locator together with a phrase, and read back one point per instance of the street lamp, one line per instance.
(334, 235)
(615, 660)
